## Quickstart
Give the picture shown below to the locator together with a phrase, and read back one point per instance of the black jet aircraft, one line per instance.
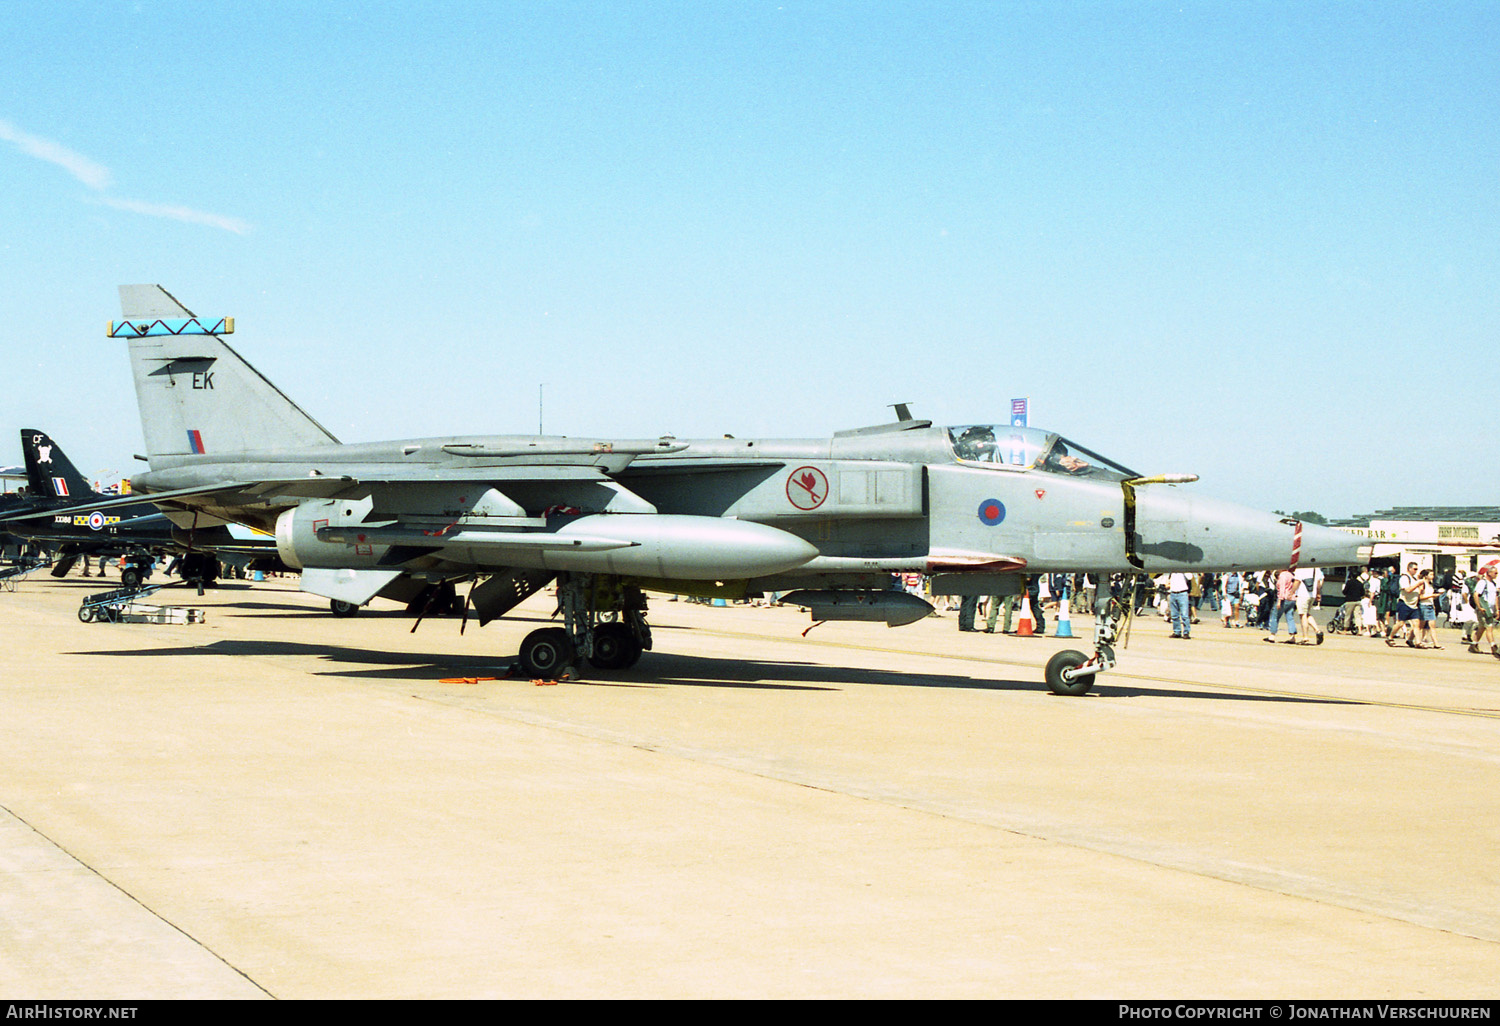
(50, 515)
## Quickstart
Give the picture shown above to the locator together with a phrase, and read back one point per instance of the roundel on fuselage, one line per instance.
(991, 512)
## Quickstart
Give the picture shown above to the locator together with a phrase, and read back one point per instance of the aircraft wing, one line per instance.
(321, 486)
(386, 474)
(22, 510)
(134, 499)
(704, 465)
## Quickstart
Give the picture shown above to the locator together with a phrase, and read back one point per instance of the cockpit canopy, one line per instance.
(1025, 448)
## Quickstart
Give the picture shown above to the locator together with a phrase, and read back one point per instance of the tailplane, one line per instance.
(49, 472)
(198, 396)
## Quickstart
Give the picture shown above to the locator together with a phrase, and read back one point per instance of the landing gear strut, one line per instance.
(604, 622)
(1070, 672)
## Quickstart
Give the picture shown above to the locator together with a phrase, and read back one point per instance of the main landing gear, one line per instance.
(1070, 672)
(604, 622)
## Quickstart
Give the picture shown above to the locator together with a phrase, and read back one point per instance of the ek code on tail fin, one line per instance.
(198, 396)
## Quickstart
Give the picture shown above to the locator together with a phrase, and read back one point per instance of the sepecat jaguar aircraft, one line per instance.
(827, 521)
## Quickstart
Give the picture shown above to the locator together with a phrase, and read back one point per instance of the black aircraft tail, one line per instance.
(49, 472)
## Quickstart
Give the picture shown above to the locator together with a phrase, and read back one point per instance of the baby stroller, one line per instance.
(1263, 609)
(1340, 624)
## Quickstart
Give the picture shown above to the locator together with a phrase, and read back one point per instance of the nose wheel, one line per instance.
(1070, 672)
(1061, 678)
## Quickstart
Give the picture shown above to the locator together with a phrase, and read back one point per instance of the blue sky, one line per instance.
(1255, 241)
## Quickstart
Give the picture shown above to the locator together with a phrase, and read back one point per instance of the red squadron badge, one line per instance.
(1041, 493)
(807, 488)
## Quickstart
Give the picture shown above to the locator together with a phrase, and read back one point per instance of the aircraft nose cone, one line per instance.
(1179, 530)
(1327, 546)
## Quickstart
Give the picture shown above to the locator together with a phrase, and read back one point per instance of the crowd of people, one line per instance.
(1394, 605)
(1404, 606)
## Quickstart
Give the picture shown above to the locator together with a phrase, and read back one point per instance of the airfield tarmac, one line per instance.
(276, 803)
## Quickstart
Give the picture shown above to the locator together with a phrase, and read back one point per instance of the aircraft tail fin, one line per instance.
(150, 301)
(196, 394)
(49, 472)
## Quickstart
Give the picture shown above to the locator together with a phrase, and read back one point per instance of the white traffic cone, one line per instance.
(1025, 628)
(1064, 624)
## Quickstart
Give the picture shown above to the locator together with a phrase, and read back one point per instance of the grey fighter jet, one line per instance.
(830, 520)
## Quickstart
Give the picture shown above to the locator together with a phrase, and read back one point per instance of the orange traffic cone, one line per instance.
(1025, 628)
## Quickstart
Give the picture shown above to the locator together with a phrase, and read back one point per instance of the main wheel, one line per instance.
(1059, 678)
(131, 577)
(201, 568)
(546, 653)
(338, 607)
(615, 647)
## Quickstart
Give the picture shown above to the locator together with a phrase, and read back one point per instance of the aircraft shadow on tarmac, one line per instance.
(665, 669)
(275, 610)
(668, 669)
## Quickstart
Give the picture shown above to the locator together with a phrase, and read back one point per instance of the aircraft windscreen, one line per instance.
(1022, 448)
(1016, 447)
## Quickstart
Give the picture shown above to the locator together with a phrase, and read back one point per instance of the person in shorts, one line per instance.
(1486, 610)
(1427, 610)
(1406, 608)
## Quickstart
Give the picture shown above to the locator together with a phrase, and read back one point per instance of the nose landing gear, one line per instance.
(1070, 672)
